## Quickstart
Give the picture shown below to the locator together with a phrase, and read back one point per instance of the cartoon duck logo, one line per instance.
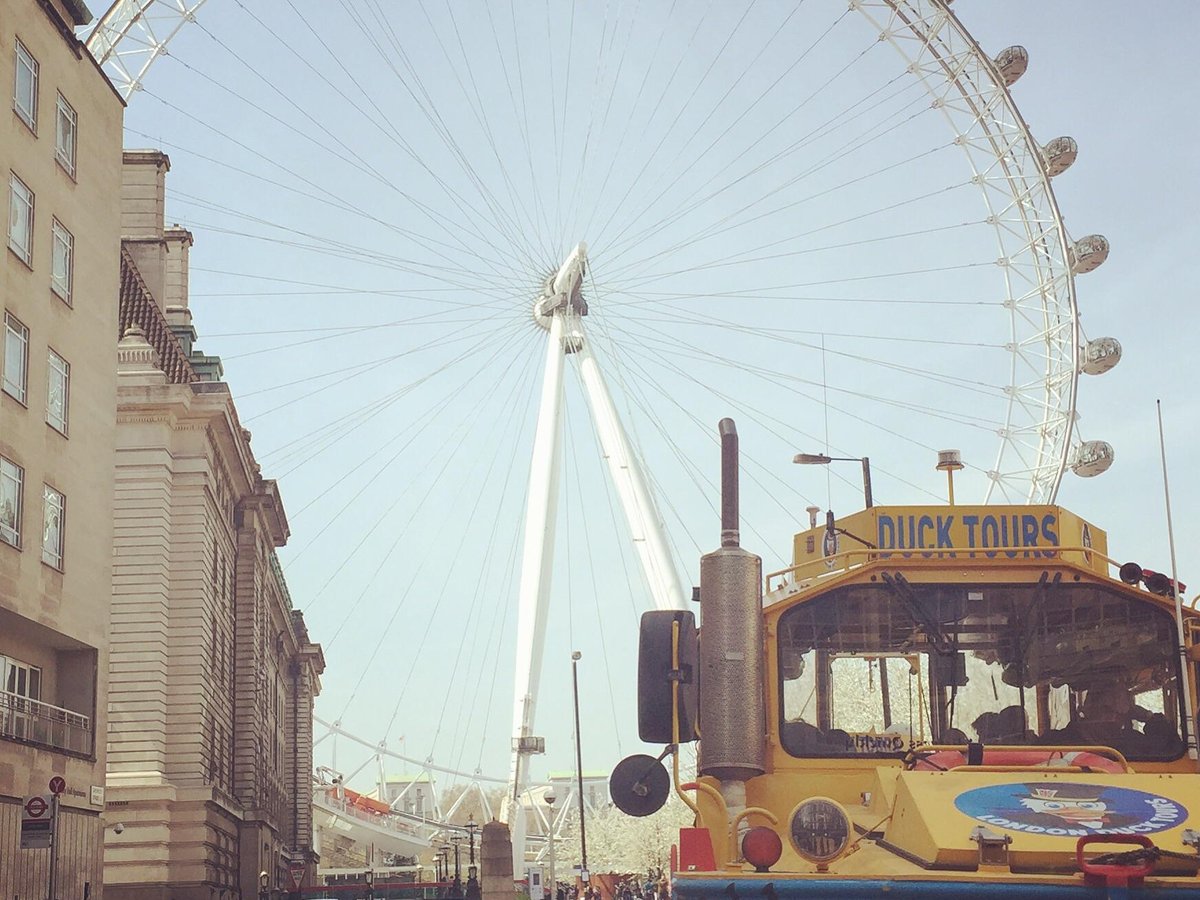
(1058, 802)
(1070, 809)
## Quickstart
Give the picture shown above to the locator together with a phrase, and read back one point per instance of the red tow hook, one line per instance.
(1115, 874)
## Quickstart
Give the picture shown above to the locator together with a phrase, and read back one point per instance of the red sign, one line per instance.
(58, 784)
(36, 807)
(296, 871)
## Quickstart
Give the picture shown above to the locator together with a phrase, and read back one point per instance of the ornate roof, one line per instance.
(137, 307)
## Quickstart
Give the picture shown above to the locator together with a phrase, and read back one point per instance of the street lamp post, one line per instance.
(444, 852)
(473, 891)
(820, 459)
(550, 798)
(583, 866)
(456, 840)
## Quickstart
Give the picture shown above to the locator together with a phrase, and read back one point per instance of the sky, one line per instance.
(781, 229)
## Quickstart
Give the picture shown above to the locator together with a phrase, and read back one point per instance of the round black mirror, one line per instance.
(639, 785)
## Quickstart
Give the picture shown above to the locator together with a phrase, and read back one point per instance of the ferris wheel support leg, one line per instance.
(645, 525)
(536, 568)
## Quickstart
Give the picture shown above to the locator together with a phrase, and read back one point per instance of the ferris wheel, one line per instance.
(831, 221)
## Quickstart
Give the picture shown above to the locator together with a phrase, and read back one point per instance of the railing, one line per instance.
(29, 720)
(803, 576)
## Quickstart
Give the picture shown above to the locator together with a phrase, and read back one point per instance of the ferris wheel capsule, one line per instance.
(1059, 155)
(1012, 63)
(1088, 253)
(1100, 355)
(1092, 458)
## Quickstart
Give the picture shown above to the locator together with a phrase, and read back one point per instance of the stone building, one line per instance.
(60, 158)
(212, 674)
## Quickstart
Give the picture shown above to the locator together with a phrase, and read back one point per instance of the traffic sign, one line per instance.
(37, 823)
(58, 784)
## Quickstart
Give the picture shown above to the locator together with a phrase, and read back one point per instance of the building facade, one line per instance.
(212, 672)
(60, 156)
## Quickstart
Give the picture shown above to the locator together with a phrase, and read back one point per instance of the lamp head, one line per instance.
(812, 459)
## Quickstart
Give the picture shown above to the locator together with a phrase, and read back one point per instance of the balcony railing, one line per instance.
(28, 720)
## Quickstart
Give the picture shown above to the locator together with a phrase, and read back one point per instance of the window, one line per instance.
(20, 219)
(53, 522)
(64, 135)
(20, 679)
(58, 392)
(868, 670)
(16, 357)
(11, 478)
(25, 88)
(62, 262)
(20, 688)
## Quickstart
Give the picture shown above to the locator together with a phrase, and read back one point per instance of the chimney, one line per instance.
(143, 198)
(178, 241)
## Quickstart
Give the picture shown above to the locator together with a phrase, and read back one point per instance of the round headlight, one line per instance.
(819, 830)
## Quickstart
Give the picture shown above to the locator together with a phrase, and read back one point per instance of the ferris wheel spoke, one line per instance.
(850, 146)
(749, 107)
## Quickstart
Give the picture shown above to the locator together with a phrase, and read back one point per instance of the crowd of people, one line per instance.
(651, 886)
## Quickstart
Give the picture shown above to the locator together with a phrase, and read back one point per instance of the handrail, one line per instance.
(986, 555)
(1098, 749)
(25, 719)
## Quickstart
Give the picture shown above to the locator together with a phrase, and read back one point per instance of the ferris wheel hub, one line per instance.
(563, 291)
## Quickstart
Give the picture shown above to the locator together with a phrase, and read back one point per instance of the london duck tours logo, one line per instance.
(1070, 809)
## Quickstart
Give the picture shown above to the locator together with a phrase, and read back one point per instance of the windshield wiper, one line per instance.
(900, 586)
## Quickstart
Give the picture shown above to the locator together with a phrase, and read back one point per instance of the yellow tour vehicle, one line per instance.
(944, 701)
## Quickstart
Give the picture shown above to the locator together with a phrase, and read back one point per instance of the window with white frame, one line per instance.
(20, 678)
(64, 134)
(53, 526)
(62, 262)
(16, 357)
(25, 87)
(12, 478)
(58, 391)
(20, 219)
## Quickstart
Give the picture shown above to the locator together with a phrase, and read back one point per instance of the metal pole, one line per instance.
(866, 464)
(537, 564)
(52, 883)
(583, 866)
(633, 489)
(553, 873)
(1189, 728)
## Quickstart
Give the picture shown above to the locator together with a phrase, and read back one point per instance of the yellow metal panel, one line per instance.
(984, 533)
(1044, 813)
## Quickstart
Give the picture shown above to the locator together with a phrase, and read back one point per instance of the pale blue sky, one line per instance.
(309, 158)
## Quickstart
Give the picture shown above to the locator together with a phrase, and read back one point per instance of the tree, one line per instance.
(623, 844)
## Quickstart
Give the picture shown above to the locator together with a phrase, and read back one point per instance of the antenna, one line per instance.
(1190, 727)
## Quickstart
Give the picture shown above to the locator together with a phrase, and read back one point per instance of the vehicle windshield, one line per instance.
(869, 670)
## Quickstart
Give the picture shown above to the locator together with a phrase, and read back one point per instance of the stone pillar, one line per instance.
(495, 858)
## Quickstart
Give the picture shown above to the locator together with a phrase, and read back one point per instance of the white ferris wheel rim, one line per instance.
(1034, 248)
(944, 46)
(1034, 449)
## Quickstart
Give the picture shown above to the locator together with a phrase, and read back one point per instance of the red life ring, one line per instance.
(952, 759)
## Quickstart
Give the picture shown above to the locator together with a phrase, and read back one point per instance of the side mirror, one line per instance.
(656, 675)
